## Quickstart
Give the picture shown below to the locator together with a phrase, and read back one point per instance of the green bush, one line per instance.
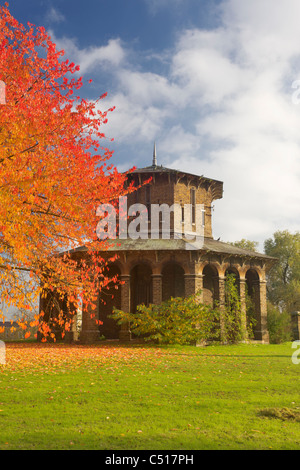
(175, 321)
(279, 325)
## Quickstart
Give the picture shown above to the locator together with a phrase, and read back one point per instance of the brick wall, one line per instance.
(166, 188)
(182, 191)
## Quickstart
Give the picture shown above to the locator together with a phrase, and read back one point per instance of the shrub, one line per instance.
(175, 321)
(279, 325)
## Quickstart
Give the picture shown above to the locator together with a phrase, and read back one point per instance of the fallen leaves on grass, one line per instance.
(48, 357)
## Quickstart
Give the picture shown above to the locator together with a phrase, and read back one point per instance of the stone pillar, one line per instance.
(221, 288)
(243, 307)
(192, 284)
(125, 333)
(295, 318)
(264, 312)
(260, 301)
(89, 330)
(75, 335)
(42, 308)
(157, 289)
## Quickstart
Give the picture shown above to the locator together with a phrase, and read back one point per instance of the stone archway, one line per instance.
(140, 286)
(210, 284)
(172, 281)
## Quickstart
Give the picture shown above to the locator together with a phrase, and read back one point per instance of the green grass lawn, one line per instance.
(129, 397)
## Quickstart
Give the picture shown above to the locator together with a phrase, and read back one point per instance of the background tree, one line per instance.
(54, 172)
(246, 244)
(284, 277)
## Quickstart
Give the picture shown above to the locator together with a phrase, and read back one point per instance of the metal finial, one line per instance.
(154, 163)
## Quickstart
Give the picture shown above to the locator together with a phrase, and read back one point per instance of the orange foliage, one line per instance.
(38, 357)
(53, 173)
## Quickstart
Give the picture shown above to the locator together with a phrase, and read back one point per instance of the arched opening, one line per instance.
(140, 286)
(110, 297)
(172, 281)
(235, 274)
(210, 285)
(253, 302)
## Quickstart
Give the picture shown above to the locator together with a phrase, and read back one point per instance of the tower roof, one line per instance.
(156, 169)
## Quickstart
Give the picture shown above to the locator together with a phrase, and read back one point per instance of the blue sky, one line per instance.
(209, 81)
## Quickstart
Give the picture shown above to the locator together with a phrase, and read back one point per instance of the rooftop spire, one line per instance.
(154, 162)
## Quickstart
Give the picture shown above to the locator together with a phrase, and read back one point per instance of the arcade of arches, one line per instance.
(155, 277)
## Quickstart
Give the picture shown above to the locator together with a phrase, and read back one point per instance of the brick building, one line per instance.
(161, 263)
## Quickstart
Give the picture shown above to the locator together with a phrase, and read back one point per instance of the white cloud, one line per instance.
(242, 74)
(268, 30)
(132, 121)
(111, 55)
(223, 109)
(54, 16)
(177, 141)
(148, 88)
(204, 68)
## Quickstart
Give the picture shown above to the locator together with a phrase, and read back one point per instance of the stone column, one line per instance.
(42, 307)
(157, 289)
(295, 317)
(260, 301)
(89, 330)
(125, 334)
(243, 307)
(264, 312)
(192, 284)
(221, 288)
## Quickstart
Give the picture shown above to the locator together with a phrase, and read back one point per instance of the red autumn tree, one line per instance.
(54, 172)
